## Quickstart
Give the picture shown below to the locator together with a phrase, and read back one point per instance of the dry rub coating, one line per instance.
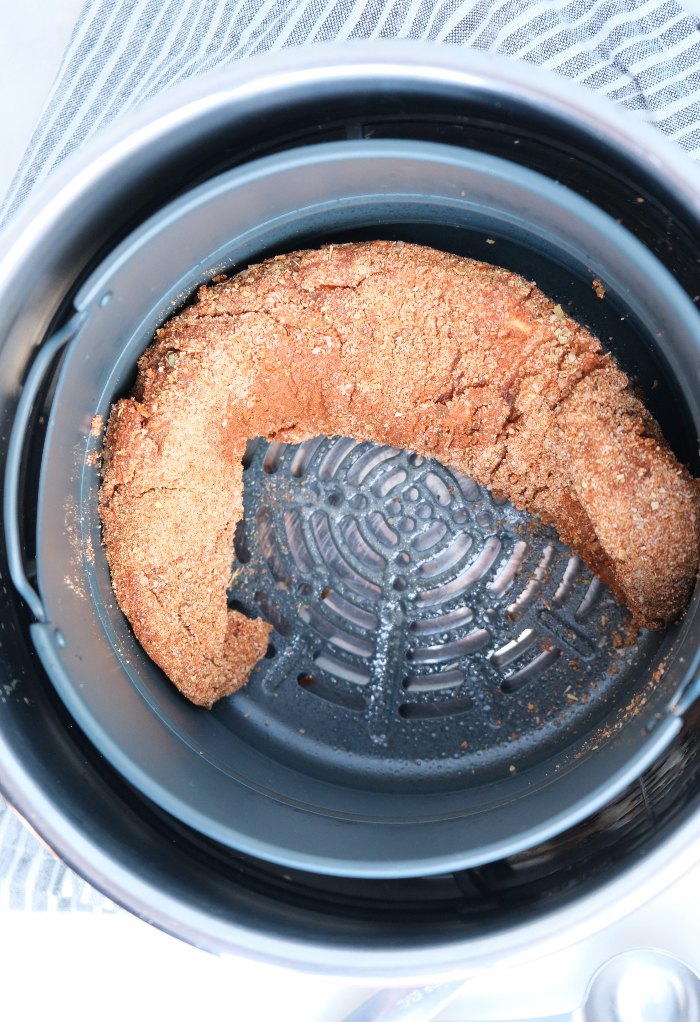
(403, 345)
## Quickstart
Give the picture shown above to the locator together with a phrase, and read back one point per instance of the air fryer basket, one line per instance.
(446, 684)
(151, 852)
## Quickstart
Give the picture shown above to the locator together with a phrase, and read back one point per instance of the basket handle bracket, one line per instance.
(37, 372)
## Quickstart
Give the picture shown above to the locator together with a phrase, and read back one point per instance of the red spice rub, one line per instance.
(403, 345)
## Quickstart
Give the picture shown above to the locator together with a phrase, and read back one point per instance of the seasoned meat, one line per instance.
(398, 344)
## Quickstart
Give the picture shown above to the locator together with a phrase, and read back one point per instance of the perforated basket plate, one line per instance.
(425, 632)
(445, 684)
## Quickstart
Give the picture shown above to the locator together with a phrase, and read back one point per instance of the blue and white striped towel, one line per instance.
(644, 54)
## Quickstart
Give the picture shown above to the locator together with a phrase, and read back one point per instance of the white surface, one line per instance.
(32, 41)
(96, 968)
(557, 983)
(102, 967)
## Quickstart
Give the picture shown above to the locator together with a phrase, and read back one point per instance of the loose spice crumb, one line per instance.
(659, 672)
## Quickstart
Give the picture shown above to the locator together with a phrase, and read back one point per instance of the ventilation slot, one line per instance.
(567, 583)
(470, 491)
(355, 615)
(438, 489)
(467, 578)
(532, 672)
(330, 554)
(433, 682)
(240, 543)
(250, 449)
(514, 649)
(364, 465)
(331, 463)
(428, 711)
(357, 546)
(339, 669)
(273, 613)
(234, 604)
(450, 650)
(336, 636)
(433, 625)
(448, 557)
(273, 457)
(388, 481)
(337, 696)
(430, 537)
(297, 546)
(270, 546)
(532, 589)
(304, 456)
(380, 530)
(595, 591)
(508, 572)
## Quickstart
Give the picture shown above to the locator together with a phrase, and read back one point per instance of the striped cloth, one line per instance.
(34, 879)
(644, 54)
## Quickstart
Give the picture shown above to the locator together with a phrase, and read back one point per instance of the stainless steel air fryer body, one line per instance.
(494, 896)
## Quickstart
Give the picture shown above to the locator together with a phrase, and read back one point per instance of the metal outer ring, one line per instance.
(62, 206)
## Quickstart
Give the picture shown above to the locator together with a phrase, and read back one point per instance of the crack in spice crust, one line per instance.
(398, 344)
